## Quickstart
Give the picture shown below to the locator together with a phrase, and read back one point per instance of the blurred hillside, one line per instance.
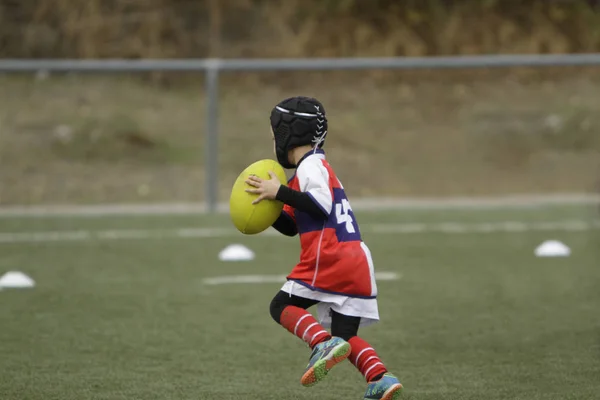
(96, 138)
(294, 28)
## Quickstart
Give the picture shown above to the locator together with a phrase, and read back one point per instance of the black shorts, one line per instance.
(342, 326)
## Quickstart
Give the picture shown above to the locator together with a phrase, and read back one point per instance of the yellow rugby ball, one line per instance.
(251, 218)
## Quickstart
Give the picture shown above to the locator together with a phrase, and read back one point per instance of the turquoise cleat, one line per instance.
(387, 388)
(324, 357)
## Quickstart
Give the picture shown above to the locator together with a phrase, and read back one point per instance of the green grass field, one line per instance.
(474, 316)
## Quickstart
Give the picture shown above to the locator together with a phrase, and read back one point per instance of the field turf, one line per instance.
(474, 314)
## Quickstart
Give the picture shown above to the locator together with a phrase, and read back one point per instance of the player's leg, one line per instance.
(381, 384)
(289, 311)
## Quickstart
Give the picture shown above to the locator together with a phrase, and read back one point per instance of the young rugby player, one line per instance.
(335, 271)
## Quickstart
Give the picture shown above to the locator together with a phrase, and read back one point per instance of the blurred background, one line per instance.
(70, 138)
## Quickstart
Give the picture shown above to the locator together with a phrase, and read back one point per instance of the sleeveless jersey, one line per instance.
(333, 257)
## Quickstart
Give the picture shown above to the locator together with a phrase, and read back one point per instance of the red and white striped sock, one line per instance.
(302, 324)
(365, 359)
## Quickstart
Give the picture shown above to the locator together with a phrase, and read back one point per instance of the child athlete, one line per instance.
(335, 271)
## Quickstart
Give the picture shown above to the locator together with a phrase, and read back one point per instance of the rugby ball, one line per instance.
(251, 218)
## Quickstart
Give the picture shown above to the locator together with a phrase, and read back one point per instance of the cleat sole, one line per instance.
(319, 371)
(393, 393)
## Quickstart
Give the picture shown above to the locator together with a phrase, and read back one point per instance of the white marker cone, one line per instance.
(236, 252)
(552, 248)
(16, 279)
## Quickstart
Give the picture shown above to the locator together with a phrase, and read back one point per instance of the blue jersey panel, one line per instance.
(306, 223)
(342, 218)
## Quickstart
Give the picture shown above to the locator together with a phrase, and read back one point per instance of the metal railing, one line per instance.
(213, 67)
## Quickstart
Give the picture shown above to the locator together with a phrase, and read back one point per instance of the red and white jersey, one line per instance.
(333, 258)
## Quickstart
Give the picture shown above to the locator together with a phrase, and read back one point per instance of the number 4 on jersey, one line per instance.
(342, 213)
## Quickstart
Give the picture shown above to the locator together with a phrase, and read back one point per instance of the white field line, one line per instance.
(387, 228)
(230, 279)
(367, 204)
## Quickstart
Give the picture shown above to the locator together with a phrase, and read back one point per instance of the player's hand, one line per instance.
(265, 189)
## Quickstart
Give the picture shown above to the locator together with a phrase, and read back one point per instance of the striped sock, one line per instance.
(302, 324)
(366, 359)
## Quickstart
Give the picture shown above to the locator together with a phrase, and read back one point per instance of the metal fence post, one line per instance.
(211, 170)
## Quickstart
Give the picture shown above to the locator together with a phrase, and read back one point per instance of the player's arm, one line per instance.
(314, 197)
(301, 201)
(285, 224)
